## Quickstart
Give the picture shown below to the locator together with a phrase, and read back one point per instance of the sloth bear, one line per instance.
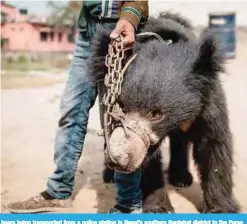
(173, 90)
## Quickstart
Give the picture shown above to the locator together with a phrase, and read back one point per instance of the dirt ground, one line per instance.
(29, 120)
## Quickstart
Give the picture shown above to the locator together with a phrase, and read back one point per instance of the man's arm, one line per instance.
(131, 14)
(134, 11)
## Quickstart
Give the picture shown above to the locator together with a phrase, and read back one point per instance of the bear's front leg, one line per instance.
(108, 173)
(213, 155)
(179, 174)
(155, 198)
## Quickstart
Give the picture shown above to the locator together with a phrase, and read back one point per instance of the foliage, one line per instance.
(10, 60)
(22, 59)
(63, 13)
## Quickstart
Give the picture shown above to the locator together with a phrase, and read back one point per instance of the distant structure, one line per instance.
(21, 32)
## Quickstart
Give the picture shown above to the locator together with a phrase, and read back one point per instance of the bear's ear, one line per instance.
(209, 60)
(177, 18)
(168, 28)
(100, 45)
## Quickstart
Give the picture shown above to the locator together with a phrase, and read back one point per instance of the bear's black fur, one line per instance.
(171, 27)
(181, 80)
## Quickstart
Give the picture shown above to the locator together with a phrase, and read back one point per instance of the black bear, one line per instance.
(176, 28)
(173, 90)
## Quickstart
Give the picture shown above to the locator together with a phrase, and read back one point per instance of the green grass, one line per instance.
(17, 72)
(32, 66)
(23, 80)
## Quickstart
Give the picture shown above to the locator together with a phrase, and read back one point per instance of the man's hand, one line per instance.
(125, 28)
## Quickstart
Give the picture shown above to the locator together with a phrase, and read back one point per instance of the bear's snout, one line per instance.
(125, 153)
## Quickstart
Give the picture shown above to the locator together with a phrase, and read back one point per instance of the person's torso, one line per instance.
(102, 9)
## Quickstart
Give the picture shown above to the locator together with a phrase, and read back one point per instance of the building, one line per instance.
(21, 32)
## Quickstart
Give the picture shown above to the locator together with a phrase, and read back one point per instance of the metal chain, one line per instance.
(113, 81)
(113, 62)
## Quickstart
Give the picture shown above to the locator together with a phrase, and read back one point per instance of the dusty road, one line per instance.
(29, 119)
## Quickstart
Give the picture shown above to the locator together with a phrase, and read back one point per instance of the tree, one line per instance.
(64, 14)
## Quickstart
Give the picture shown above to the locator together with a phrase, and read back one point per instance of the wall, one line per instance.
(11, 12)
(17, 34)
(26, 37)
(49, 46)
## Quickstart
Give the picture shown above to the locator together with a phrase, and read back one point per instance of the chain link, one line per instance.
(113, 81)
